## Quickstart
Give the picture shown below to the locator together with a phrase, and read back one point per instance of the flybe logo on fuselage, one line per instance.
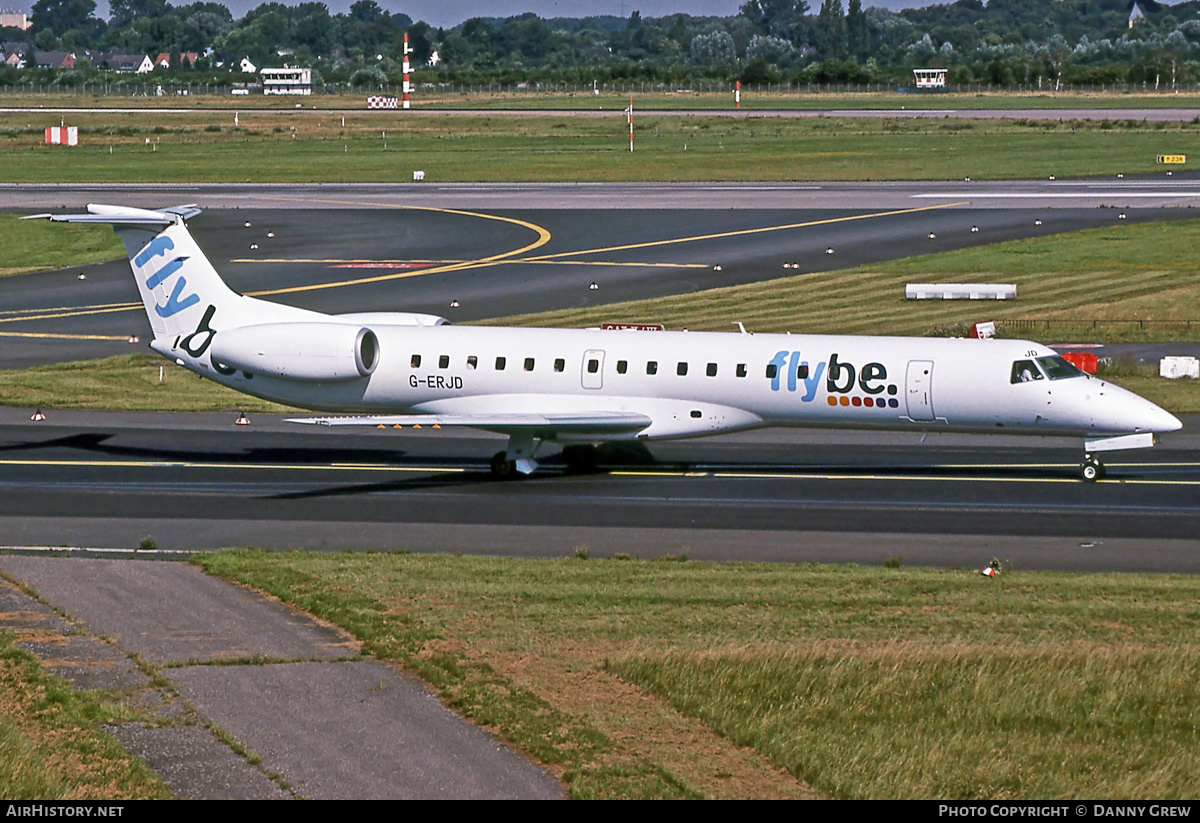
(841, 378)
(177, 301)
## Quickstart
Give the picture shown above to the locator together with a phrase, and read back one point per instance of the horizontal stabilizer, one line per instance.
(581, 422)
(123, 215)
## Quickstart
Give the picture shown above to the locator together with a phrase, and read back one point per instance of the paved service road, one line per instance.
(329, 723)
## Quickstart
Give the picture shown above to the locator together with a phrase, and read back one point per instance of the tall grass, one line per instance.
(51, 747)
(953, 720)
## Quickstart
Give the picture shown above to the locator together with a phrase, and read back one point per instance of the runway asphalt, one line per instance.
(195, 482)
(85, 479)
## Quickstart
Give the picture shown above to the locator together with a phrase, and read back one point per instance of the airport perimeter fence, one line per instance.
(170, 87)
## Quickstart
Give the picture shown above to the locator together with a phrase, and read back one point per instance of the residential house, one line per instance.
(125, 63)
(54, 60)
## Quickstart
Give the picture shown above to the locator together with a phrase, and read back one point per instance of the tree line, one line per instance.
(1005, 42)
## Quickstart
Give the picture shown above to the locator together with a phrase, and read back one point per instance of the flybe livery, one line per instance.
(582, 387)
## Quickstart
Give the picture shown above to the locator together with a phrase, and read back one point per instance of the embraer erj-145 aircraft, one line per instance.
(588, 386)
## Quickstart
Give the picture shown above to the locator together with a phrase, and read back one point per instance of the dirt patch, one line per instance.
(642, 727)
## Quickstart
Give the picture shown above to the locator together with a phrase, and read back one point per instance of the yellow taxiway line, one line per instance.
(718, 475)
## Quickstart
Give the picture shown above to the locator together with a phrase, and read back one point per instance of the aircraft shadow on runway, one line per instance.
(471, 471)
(96, 442)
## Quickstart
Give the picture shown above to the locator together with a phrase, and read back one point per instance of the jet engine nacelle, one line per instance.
(317, 352)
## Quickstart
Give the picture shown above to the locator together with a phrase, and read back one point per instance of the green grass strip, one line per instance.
(314, 146)
(35, 245)
(126, 383)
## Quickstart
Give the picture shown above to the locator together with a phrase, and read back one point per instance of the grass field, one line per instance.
(841, 681)
(128, 382)
(579, 97)
(1122, 272)
(36, 245)
(816, 99)
(314, 146)
(51, 747)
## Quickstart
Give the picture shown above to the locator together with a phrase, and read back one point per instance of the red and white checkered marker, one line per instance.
(989, 571)
(38, 416)
(242, 420)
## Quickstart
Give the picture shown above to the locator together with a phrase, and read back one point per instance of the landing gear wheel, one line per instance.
(1091, 469)
(502, 467)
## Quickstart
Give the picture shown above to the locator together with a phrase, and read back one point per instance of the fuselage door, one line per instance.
(919, 389)
(593, 369)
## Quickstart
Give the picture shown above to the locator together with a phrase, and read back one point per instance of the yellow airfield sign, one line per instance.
(1178, 159)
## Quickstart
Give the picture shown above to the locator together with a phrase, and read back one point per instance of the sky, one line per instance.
(452, 12)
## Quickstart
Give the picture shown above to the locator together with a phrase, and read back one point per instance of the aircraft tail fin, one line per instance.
(177, 283)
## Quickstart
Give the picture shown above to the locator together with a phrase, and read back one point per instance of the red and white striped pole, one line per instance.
(407, 85)
(629, 112)
(737, 94)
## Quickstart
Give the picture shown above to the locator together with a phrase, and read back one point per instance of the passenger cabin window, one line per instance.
(802, 371)
(1025, 371)
(443, 361)
(528, 364)
(681, 369)
(416, 361)
(622, 366)
(771, 371)
(711, 371)
(741, 369)
(652, 367)
(593, 366)
(559, 364)
(1057, 368)
(500, 363)
(472, 361)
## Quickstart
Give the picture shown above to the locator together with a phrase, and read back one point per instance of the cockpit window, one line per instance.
(1025, 371)
(1057, 368)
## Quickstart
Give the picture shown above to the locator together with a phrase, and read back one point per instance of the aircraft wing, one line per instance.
(600, 423)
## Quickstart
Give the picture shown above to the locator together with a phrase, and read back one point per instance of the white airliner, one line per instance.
(589, 386)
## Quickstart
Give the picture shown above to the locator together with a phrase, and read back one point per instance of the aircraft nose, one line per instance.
(1153, 418)
(1164, 421)
(1134, 413)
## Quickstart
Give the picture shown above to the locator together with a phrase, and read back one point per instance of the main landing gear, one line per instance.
(517, 460)
(1091, 469)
